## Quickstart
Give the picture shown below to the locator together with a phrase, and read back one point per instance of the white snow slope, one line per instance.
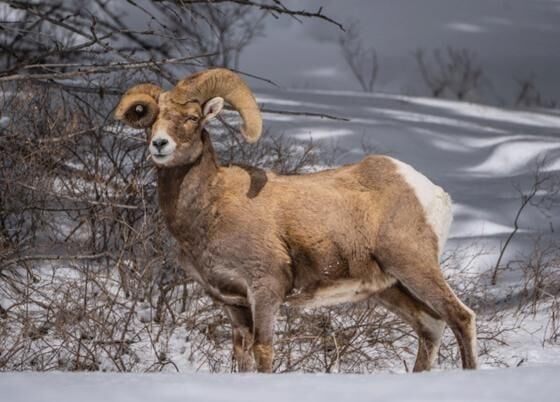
(521, 384)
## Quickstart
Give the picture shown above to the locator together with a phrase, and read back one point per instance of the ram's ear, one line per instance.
(212, 107)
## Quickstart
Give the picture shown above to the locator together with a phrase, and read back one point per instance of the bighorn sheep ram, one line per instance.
(254, 239)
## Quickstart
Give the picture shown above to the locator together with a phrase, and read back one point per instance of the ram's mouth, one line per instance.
(160, 157)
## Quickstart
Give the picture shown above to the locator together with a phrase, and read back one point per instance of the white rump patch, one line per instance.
(435, 201)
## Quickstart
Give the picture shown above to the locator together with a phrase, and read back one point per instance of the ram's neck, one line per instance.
(187, 195)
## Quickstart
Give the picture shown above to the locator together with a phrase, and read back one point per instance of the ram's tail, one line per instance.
(441, 217)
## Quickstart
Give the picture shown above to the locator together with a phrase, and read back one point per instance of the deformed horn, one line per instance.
(222, 82)
(138, 107)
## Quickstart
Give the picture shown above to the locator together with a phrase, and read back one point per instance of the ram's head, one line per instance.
(175, 118)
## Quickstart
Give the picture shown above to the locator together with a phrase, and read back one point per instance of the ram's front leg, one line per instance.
(242, 336)
(264, 304)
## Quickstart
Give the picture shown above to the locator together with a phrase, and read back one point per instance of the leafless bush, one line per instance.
(541, 276)
(361, 59)
(78, 200)
(452, 72)
(538, 294)
(542, 195)
(530, 95)
(277, 152)
(552, 330)
(54, 41)
(221, 32)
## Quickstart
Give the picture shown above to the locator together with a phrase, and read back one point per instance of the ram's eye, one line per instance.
(191, 118)
(140, 110)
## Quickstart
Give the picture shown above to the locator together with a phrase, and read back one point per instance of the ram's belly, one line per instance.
(341, 291)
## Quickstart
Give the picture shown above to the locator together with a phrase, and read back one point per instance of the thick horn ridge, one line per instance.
(228, 85)
(138, 107)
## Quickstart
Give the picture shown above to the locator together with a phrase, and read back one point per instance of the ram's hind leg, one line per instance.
(242, 334)
(425, 322)
(420, 273)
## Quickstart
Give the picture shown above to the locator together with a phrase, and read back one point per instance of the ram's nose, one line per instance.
(160, 143)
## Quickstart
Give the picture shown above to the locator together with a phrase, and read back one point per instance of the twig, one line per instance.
(47, 257)
(84, 200)
(99, 69)
(538, 182)
(269, 81)
(279, 8)
(311, 114)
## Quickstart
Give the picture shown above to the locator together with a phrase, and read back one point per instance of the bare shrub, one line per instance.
(542, 195)
(52, 41)
(540, 288)
(361, 59)
(452, 72)
(276, 152)
(221, 32)
(530, 95)
(78, 208)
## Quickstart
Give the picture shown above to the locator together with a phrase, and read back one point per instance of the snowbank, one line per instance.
(519, 384)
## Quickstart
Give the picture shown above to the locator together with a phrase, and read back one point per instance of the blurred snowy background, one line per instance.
(511, 40)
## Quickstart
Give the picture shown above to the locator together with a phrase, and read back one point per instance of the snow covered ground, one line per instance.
(508, 385)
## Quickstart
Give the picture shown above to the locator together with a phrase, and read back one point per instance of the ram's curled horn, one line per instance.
(139, 106)
(224, 83)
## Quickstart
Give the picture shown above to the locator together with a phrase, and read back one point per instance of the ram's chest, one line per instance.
(216, 275)
(190, 265)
